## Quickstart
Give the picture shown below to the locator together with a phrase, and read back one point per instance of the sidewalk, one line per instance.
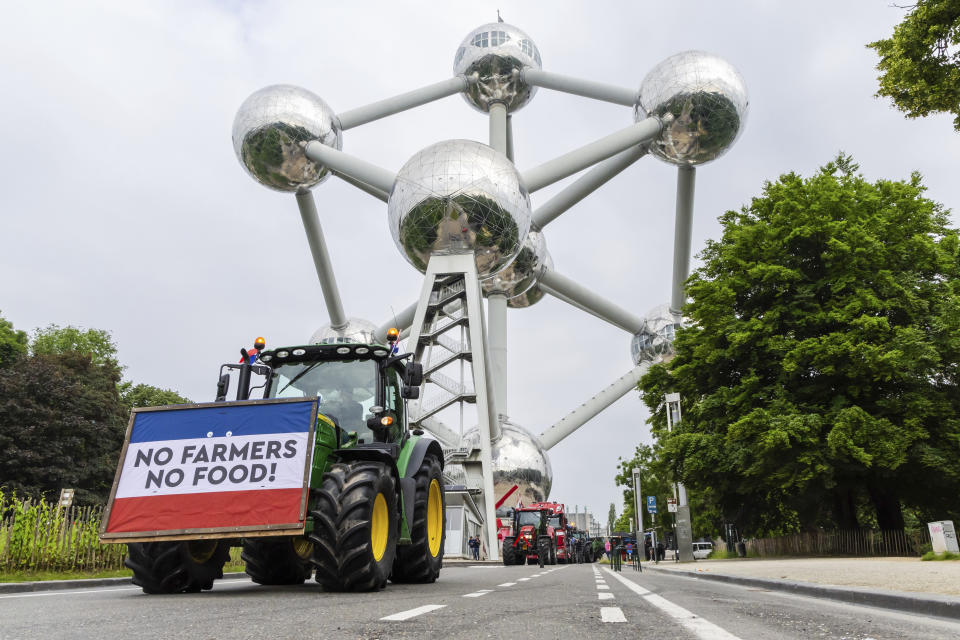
(908, 584)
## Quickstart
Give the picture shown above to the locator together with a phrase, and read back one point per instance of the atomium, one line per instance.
(459, 196)
(516, 278)
(534, 294)
(357, 330)
(518, 459)
(701, 100)
(271, 129)
(493, 51)
(654, 344)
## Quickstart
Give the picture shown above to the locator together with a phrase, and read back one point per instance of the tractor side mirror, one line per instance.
(413, 374)
(223, 386)
(410, 393)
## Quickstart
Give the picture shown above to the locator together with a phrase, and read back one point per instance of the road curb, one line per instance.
(927, 604)
(61, 585)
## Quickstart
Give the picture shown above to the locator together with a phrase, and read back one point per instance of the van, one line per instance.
(702, 549)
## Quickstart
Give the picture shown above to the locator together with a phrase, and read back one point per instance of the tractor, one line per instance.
(557, 529)
(530, 541)
(373, 499)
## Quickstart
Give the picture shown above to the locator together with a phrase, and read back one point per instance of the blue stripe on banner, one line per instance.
(239, 420)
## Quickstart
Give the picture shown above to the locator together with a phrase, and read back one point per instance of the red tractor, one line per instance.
(557, 528)
(531, 540)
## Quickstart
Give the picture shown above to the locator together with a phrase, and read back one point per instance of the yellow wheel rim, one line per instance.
(201, 550)
(302, 547)
(434, 518)
(379, 527)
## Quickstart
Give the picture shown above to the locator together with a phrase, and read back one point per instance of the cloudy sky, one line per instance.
(124, 208)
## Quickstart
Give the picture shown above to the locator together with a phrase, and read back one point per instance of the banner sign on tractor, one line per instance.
(216, 467)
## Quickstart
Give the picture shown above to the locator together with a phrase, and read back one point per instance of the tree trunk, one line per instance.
(844, 509)
(887, 504)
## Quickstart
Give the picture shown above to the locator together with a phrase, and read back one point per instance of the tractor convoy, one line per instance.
(319, 477)
(539, 533)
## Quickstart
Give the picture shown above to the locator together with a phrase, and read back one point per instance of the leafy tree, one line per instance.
(920, 65)
(61, 425)
(96, 343)
(820, 368)
(145, 395)
(13, 343)
(612, 517)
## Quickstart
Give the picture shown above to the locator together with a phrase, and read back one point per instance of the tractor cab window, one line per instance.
(346, 389)
(529, 517)
(554, 521)
(393, 402)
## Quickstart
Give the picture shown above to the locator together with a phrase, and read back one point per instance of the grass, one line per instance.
(946, 555)
(722, 554)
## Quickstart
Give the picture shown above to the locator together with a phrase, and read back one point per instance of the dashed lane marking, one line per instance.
(477, 594)
(612, 614)
(691, 622)
(412, 613)
(522, 579)
(602, 586)
(605, 595)
(507, 584)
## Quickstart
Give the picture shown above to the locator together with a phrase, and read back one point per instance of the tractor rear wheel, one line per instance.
(277, 560)
(177, 567)
(355, 521)
(421, 560)
(510, 555)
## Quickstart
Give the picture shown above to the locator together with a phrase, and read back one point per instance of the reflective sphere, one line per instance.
(357, 331)
(534, 294)
(521, 274)
(654, 344)
(270, 132)
(459, 196)
(493, 51)
(518, 459)
(702, 101)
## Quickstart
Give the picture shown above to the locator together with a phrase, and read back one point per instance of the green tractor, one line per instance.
(376, 503)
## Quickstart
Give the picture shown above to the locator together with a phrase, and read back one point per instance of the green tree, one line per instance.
(145, 395)
(612, 517)
(920, 64)
(13, 343)
(61, 425)
(819, 372)
(96, 343)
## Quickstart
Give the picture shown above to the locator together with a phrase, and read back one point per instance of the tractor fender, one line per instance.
(421, 447)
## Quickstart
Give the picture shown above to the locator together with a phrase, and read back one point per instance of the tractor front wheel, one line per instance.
(355, 522)
(421, 560)
(177, 567)
(510, 555)
(277, 560)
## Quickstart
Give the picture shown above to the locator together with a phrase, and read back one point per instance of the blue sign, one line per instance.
(651, 504)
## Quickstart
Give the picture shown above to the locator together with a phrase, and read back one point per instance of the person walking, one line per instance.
(606, 549)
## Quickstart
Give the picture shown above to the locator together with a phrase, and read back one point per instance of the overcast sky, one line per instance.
(124, 208)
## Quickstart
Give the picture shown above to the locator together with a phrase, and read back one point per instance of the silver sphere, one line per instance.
(518, 459)
(270, 132)
(534, 294)
(357, 331)
(493, 51)
(459, 196)
(702, 101)
(654, 343)
(516, 278)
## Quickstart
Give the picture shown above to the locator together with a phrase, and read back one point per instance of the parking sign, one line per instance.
(651, 504)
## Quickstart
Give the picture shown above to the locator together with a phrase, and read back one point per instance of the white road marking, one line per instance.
(507, 584)
(605, 595)
(522, 579)
(690, 621)
(611, 614)
(477, 594)
(602, 586)
(67, 593)
(406, 615)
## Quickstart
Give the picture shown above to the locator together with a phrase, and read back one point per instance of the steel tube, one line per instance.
(589, 409)
(402, 102)
(321, 259)
(587, 299)
(498, 127)
(351, 166)
(497, 337)
(590, 154)
(400, 321)
(363, 186)
(580, 87)
(510, 138)
(585, 185)
(686, 181)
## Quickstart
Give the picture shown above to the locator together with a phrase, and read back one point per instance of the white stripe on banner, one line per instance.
(207, 465)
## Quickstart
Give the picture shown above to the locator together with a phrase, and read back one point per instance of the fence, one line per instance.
(858, 542)
(40, 536)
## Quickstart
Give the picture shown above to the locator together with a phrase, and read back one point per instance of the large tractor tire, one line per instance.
(421, 560)
(553, 554)
(278, 560)
(355, 524)
(510, 555)
(177, 567)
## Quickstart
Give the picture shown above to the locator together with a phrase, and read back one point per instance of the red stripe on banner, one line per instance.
(205, 510)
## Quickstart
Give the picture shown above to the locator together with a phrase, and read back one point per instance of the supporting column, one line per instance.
(686, 181)
(497, 334)
(498, 127)
(321, 259)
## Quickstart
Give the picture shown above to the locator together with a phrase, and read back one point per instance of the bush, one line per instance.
(946, 555)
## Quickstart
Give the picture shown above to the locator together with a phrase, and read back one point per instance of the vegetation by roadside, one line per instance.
(930, 555)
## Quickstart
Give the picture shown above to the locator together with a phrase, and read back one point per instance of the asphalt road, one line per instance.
(573, 602)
